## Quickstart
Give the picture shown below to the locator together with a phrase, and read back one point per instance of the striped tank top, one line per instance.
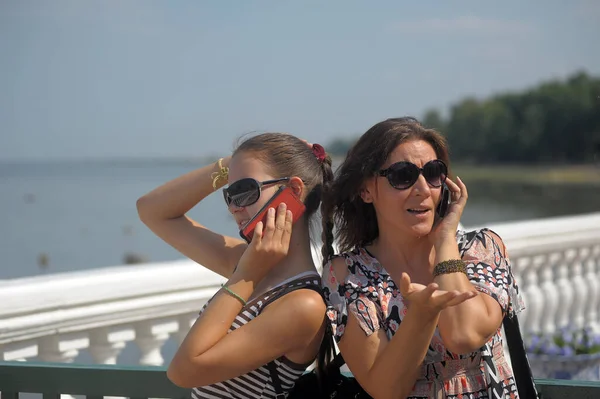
(257, 383)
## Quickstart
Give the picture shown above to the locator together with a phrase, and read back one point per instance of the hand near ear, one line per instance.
(270, 244)
(446, 228)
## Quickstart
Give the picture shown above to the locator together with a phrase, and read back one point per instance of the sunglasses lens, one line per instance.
(435, 173)
(403, 175)
(244, 192)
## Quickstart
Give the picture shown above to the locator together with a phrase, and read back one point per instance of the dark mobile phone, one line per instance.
(442, 208)
(283, 194)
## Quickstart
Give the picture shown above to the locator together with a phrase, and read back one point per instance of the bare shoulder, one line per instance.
(303, 304)
(300, 315)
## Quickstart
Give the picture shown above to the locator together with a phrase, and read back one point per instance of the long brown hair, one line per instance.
(285, 156)
(356, 220)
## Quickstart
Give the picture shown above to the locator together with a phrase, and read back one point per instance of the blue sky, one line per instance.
(98, 79)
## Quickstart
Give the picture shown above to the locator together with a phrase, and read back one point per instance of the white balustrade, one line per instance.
(55, 317)
(556, 263)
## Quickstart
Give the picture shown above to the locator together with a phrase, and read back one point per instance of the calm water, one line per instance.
(82, 215)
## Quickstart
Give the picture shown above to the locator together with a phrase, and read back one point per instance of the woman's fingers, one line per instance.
(405, 284)
(431, 296)
(464, 194)
(430, 289)
(441, 298)
(279, 223)
(270, 223)
(461, 297)
(287, 229)
(257, 235)
(446, 299)
(458, 191)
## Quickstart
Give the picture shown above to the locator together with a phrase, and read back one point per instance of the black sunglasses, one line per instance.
(246, 192)
(402, 175)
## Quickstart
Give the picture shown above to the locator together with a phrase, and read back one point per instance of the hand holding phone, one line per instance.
(283, 195)
(447, 213)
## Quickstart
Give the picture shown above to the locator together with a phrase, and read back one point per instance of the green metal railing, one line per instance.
(94, 381)
(136, 382)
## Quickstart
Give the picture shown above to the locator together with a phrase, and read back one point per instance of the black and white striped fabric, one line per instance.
(257, 383)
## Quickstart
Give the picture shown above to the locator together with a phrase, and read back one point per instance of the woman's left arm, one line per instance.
(467, 327)
(210, 354)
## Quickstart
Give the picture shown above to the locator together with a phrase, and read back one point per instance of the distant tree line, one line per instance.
(557, 121)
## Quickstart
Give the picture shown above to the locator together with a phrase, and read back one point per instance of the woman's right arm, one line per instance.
(389, 368)
(164, 210)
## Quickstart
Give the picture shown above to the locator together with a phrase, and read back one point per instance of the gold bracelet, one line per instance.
(223, 173)
(450, 266)
(233, 294)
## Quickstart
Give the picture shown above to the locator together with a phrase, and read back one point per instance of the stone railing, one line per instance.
(52, 318)
(557, 265)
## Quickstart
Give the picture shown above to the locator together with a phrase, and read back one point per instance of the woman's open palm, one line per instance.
(429, 297)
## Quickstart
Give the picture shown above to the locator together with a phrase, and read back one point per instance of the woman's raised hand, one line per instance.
(270, 243)
(446, 227)
(429, 298)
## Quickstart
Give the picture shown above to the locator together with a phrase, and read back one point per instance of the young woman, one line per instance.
(263, 320)
(416, 307)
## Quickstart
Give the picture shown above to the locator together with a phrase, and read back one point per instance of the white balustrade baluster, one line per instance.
(49, 350)
(593, 279)
(565, 291)
(150, 343)
(104, 351)
(580, 291)
(534, 295)
(548, 287)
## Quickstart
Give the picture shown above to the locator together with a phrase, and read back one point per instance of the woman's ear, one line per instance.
(365, 193)
(297, 186)
(366, 196)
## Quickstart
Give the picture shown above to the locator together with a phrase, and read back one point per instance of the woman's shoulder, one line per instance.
(358, 257)
(483, 237)
(351, 267)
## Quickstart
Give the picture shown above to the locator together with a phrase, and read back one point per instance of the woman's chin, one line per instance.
(421, 229)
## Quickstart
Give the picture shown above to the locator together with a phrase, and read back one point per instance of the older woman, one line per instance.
(415, 307)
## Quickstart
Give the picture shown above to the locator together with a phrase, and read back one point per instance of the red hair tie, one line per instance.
(319, 152)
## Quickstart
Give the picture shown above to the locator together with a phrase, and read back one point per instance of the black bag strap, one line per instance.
(271, 365)
(518, 358)
(275, 380)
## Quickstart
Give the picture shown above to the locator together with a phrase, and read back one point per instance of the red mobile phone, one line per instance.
(283, 194)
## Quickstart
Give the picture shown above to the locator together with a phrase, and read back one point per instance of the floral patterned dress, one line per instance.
(369, 293)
